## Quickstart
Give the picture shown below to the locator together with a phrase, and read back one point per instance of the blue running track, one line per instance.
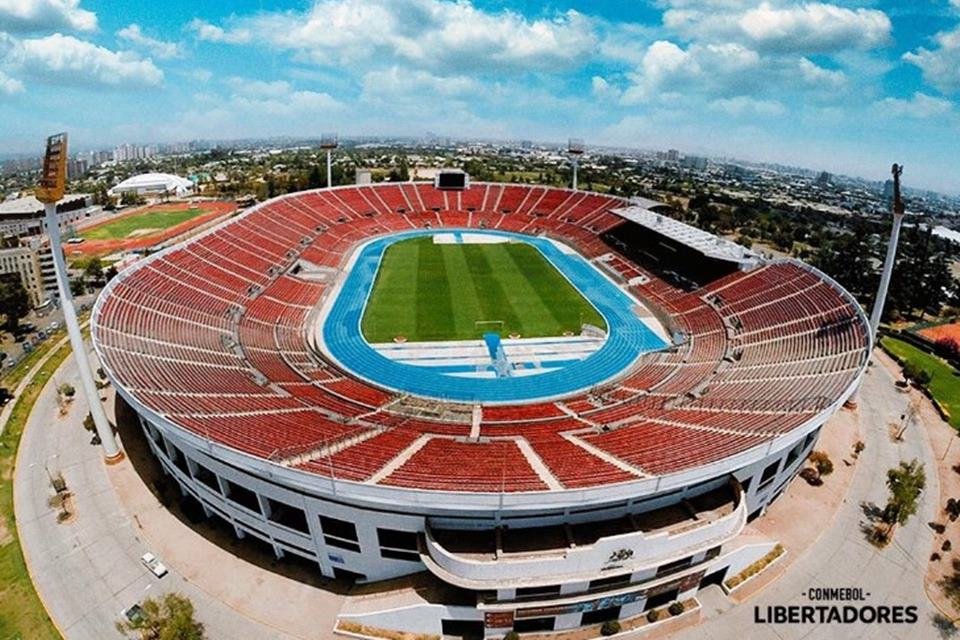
(628, 337)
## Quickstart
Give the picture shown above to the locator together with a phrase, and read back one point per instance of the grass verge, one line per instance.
(22, 615)
(944, 379)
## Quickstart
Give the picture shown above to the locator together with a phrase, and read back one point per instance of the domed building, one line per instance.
(154, 184)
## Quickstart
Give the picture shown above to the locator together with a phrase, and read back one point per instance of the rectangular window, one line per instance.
(613, 581)
(529, 592)
(342, 544)
(397, 539)
(769, 473)
(393, 554)
(288, 516)
(338, 528)
(207, 478)
(673, 567)
(794, 454)
(243, 497)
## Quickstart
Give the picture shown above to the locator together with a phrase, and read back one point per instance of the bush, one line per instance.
(947, 348)
(821, 462)
(512, 635)
(653, 615)
(919, 375)
(67, 390)
(675, 608)
(609, 628)
(811, 476)
(858, 448)
(89, 424)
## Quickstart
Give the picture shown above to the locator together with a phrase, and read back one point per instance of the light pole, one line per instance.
(898, 212)
(575, 150)
(329, 142)
(51, 190)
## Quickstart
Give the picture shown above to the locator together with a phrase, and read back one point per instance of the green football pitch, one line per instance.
(140, 222)
(426, 291)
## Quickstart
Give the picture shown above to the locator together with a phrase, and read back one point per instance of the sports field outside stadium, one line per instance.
(434, 292)
(150, 220)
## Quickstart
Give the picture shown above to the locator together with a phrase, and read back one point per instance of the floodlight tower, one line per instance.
(899, 211)
(575, 151)
(52, 185)
(329, 142)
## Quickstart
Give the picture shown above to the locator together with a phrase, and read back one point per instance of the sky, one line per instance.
(843, 86)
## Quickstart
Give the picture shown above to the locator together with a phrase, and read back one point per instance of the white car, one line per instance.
(153, 563)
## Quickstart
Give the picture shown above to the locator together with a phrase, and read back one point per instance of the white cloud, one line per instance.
(602, 89)
(160, 48)
(212, 33)
(9, 86)
(815, 27)
(792, 27)
(397, 82)
(428, 34)
(817, 76)
(940, 66)
(67, 60)
(40, 15)
(744, 106)
(713, 68)
(920, 105)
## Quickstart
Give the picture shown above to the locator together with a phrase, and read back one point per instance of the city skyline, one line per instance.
(847, 87)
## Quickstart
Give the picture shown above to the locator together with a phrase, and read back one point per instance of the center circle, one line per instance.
(497, 281)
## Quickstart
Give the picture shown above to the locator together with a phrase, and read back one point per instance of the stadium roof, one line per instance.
(154, 182)
(702, 241)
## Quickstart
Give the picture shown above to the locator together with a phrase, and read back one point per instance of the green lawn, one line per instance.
(21, 613)
(426, 291)
(123, 227)
(945, 381)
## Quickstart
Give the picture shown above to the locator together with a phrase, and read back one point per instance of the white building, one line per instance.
(154, 184)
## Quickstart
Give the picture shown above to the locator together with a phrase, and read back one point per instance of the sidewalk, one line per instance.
(842, 557)
(88, 569)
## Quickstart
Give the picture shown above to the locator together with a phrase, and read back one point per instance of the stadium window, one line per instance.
(180, 461)
(810, 438)
(288, 516)
(673, 567)
(530, 592)
(793, 455)
(768, 474)
(745, 485)
(393, 554)
(393, 539)
(534, 624)
(338, 528)
(613, 581)
(207, 478)
(243, 497)
(341, 544)
(339, 533)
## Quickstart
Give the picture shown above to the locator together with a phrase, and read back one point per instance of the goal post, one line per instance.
(489, 325)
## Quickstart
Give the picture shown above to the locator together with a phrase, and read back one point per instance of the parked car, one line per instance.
(153, 563)
(133, 613)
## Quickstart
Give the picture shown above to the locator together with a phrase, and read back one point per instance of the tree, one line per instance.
(951, 584)
(78, 287)
(169, 617)
(94, 270)
(822, 462)
(314, 180)
(14, 301)
(905, 483)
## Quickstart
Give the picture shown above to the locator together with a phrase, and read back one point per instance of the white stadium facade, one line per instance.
(535, 515)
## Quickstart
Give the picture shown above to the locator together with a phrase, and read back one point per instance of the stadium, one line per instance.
(561, 407)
